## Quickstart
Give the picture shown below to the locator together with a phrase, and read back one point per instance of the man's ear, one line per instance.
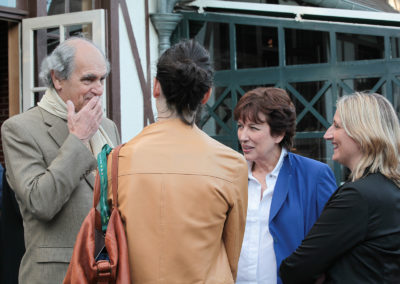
(56, 82)
(206, 96)
(156, 88)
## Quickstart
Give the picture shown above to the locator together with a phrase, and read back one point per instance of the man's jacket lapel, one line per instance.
(58, 130)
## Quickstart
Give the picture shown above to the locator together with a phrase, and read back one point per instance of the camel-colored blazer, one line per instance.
(50, 171)
(183, 198)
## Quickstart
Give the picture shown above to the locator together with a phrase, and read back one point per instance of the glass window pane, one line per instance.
(350, 86)
(306, 47)
(256, 46)
(81, 5)
(79, 30)
(251, 87)
(38, 96)
(314, 148)
(308, 121)
(352, 47)
(223, 110)
(55, 7)
(8, 3)
(395, 46)
(48, 38)
(396, 95)
(215, 38)
(260, 1)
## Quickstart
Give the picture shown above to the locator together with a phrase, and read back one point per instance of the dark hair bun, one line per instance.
(185, 75)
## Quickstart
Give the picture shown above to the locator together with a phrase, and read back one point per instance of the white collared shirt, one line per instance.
(257, 262)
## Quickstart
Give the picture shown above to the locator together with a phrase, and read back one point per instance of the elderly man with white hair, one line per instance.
(50, 154)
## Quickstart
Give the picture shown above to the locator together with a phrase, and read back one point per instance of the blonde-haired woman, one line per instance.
(357, 237)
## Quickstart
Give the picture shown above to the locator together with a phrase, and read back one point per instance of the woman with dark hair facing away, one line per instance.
(182, 195)
(286, 192)
(357, 237)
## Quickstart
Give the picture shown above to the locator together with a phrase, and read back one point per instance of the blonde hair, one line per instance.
(371, 121)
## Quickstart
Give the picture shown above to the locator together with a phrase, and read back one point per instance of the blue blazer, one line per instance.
(301, 191)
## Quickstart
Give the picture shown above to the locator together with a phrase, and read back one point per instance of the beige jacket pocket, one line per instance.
(53, 254)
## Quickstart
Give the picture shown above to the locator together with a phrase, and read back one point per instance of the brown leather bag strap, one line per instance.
(96, 199)
(114, 174)
(96, 189)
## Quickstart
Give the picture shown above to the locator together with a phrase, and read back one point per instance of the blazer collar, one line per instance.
(58, 130)
(281, 187)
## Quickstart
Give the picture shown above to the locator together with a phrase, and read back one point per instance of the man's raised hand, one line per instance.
(85, 122)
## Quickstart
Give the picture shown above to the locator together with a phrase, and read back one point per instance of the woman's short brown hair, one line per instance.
(276, 105)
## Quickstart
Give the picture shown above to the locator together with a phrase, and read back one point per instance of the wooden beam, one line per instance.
(147, 109)
(112, 51)
(37, 8)
(13, 13)
(148, 115)
(13, 69)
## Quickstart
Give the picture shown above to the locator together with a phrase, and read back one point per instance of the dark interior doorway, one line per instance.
(4, 76)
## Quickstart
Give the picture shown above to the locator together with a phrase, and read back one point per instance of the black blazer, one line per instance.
(355, 240)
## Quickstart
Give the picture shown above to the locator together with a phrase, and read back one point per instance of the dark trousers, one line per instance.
(12, 246)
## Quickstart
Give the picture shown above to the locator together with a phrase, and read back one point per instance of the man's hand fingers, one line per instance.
(86, 121)
(98, 108)
(99, 116)
(92, 103)
(70, 109)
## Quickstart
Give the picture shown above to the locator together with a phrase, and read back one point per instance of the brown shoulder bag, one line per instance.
(84, 268)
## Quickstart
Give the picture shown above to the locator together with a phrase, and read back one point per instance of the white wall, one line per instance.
(131, 92)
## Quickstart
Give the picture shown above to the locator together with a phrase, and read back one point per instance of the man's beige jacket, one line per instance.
(50, 171)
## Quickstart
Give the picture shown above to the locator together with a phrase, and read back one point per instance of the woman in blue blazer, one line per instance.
(286, 192)
(357, 237)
